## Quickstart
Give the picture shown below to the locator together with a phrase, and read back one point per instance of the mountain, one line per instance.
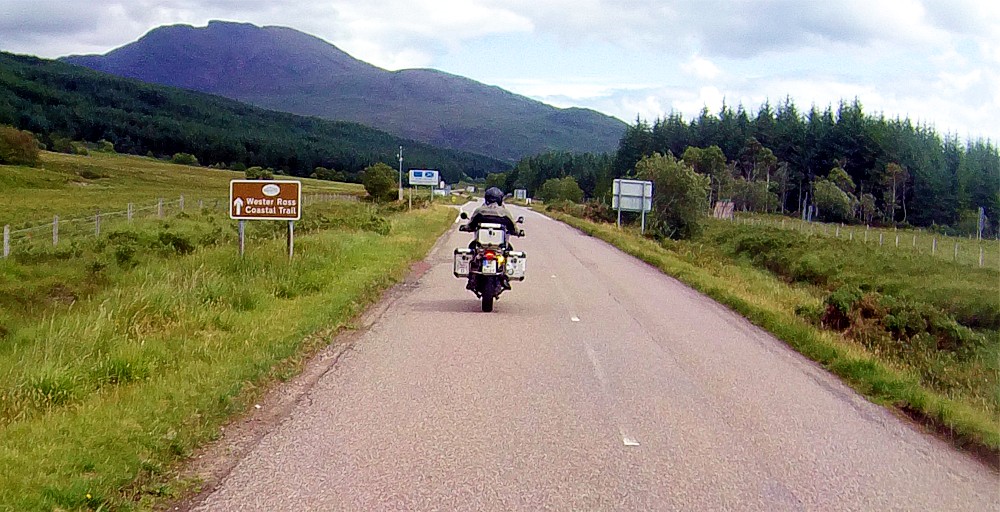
(59, 101)
(284, 69)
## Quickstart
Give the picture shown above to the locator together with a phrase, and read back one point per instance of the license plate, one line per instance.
(490, 266)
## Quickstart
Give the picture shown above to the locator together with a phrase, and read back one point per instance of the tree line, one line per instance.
(848, 165)
(59, 102)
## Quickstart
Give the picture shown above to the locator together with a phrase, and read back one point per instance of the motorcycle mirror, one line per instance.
(464, 215)
(520, 233)
(520, 220)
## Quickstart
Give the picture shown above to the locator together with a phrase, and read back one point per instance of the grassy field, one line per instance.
(73, 186)
(120, 354)
(909, 331)
(903, 242)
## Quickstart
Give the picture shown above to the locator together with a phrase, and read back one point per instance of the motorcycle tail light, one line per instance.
(490, 255)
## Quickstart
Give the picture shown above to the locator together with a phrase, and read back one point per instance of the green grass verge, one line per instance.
(126, 352)
(773, 304)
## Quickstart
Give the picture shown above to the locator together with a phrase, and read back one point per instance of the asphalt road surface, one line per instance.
(596, 384)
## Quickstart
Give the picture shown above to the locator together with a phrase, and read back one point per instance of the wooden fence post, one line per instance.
(159, 208)
(55, 230)
(6, 244)
(880, 237)
(97, 223)
(182, 202)
(934, 246)
(130, 213)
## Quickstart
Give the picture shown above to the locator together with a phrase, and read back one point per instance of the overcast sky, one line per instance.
(937, 62)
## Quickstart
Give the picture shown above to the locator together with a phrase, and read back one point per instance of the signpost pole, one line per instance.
(242, 228)
(400, 155)
(618, 195)
(643, 206)
(410, 207)
(291, 239)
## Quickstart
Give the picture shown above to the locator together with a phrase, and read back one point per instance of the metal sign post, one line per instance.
(632, 196)
(266, 200)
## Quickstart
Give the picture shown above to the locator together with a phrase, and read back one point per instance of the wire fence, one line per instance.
(964, 251)
(62, 230)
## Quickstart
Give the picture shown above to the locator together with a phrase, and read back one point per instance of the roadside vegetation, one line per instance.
(908, 331)
(121, 353)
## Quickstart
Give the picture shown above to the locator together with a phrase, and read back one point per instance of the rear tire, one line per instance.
(489, 292)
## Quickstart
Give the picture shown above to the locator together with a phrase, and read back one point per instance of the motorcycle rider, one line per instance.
(491, 211)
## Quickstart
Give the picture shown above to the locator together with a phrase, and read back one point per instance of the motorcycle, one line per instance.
(490, 260)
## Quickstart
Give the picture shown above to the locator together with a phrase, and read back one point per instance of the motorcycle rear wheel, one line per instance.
(489, 292)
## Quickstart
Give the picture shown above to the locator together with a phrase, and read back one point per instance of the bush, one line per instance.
(63, 145)
(184, 159)
(562, 189)
(322, 173)
(259, 173)
(18, 147)
(833, 203)
(380, 182)
(105, 146)
(680, 196)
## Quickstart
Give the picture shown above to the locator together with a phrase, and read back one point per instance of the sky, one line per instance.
(934, 61)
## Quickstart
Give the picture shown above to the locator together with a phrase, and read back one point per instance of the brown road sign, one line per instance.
(265, 200)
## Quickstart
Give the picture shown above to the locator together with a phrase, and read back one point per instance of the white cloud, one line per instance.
(701, 68)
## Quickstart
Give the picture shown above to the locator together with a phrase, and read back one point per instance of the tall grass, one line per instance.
(119, 357)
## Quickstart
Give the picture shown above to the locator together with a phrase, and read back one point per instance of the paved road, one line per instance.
(597, 384)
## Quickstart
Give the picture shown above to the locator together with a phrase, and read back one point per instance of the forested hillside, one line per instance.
(59, 101)
(280, 68)
(853, 166)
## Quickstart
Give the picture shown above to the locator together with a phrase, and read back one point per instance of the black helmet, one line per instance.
(494, 196)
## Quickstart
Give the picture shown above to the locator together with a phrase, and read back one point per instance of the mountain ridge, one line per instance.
(283, 69)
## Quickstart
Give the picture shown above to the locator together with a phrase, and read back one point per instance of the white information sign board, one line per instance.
(632, 196)
(424, 177)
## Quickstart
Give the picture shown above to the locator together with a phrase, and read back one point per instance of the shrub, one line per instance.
(18, 147)
(561, 189)
(184, 159)
(105, 146)
(679, 196)
(259, 173)
(322, 173)
(63, 145)
(380, 182)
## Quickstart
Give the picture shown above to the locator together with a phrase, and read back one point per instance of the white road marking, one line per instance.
(553, 276)
(598, 371)
(602, 378)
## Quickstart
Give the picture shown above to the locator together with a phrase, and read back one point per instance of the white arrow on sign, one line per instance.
(239, 206)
